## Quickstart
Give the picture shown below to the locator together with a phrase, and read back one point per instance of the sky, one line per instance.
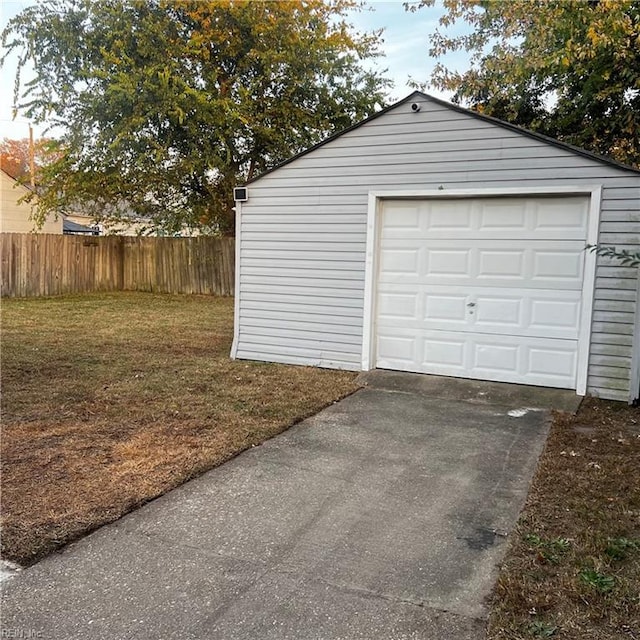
(406, 42)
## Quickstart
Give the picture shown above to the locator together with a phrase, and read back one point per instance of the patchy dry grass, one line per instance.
(111, 400)
(573, 569)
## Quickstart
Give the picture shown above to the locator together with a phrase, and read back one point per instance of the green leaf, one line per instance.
(570, 70)
(601, 582)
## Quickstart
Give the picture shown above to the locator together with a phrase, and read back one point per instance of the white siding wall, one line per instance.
(302, 250)
(15, 215)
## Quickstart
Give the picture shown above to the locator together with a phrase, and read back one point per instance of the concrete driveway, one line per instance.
(384, 517)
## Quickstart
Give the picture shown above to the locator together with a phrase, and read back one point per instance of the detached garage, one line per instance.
(432, 239)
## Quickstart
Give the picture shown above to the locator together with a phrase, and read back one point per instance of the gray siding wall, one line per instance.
(302, 247)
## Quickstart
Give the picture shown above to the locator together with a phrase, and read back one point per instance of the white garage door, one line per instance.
(482, 288)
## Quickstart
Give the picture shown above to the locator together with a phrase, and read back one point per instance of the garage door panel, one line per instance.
(497, 264)
(502, 215)
(450, 215)
(396, 305)
(497, 312)
(531, 313)
(488, 289)
(400, 262)
(548, 315)
(486, 329)
(403, 216)
(520, 312)
(451, 263)
(394, 347)
(545, 218)
(400, 281)
(451, 353)
(448, 308)
(502, 264)
(493, 357)
(565, 215)
(546, 366)
(558, 265)
(552, 362)
(527, 360)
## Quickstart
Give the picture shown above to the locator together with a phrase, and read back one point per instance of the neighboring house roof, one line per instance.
(469, 112)
(70, 227)
(7, 173)
(26, 185)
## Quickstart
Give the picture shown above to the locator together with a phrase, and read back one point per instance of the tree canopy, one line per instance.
(566, 68)
(15, 156)
(164, 105)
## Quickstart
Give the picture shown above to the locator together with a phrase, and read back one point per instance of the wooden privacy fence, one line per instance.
(48, 264)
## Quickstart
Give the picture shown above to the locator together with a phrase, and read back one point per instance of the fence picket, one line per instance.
(48, 264)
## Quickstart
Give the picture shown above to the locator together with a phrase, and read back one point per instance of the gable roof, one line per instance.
(474, 114)
(26, 186)
(8, 174)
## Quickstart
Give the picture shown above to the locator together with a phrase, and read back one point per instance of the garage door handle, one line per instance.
(471, 304)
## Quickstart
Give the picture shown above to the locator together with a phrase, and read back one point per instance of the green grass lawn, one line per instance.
(109, 400)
